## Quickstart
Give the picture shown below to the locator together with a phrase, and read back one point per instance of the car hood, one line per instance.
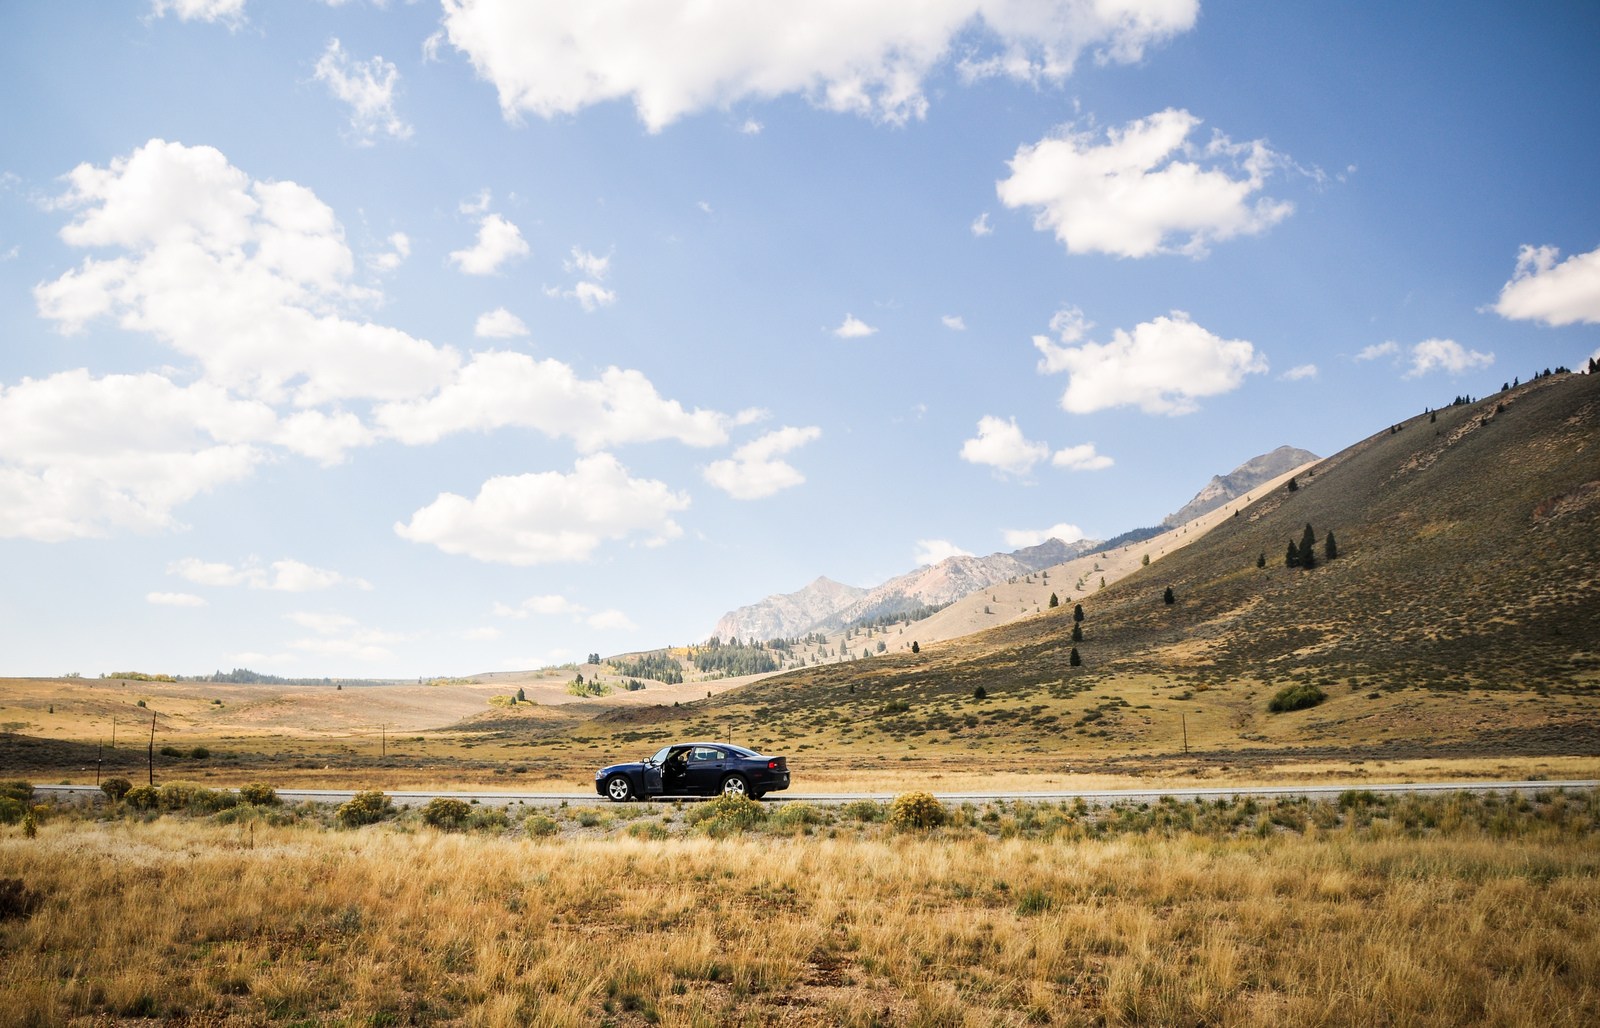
(632, 767)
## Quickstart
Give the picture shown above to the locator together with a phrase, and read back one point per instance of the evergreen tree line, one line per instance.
(658, 667)
(1304, 555)
(733, 658)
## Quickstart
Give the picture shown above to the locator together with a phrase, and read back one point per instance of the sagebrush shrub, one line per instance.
(116, 788)
(143, 797)
(1296, 697)
(258, 794)
(726, 814)
(448, 814)
(14, 797)
(365, 808)
(916, 810)
(540, 826)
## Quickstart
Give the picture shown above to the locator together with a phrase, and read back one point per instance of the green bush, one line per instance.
(116, 788)
(448, 814)
(258, 795)
(199, 753)
(540, 826)
(797, 817)
(14, 799)
(143, 797)
(866, 811)
(488, 819)
(726, 815)
(365, 808)
(195, 799)
(170, 751)
(651, 830)
(916, 810)
(1296, 697)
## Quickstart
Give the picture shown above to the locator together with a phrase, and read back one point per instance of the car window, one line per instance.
(705, 753)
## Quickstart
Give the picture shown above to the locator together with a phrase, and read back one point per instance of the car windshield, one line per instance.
(661, 755)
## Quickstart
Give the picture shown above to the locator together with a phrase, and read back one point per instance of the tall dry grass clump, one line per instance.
(1440, 913)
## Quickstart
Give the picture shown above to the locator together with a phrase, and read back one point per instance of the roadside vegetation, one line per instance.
(1359, 910)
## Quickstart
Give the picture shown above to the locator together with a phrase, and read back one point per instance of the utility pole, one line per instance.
(383, 741)
(99, 756)
(150, 760)
(1185, 719)
(113, 731)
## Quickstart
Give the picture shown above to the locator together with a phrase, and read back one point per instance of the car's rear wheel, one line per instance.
(619, 788)
(735, 785)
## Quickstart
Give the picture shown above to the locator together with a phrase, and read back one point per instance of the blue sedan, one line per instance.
(695, 769)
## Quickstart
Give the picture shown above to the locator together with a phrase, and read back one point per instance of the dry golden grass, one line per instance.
(1441, 912)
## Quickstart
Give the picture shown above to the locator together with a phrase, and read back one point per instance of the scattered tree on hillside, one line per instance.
(1077, 610)
(914, 647)
(1077, 633)
(1330, 549)
(1168, 598)
(1291, 559)
(1074, 659)
(1261, 561)
(1308, 548)
(1055, 601)
(980, 693)
(1294, 486)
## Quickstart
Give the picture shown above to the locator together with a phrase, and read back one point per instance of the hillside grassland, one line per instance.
(1367, 910)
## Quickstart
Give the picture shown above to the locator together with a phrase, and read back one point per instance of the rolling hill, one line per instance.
(1464, 585)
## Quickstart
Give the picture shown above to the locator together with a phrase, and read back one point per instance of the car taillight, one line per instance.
(775, 764)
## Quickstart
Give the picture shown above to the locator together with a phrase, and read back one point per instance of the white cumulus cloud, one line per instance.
(498, 241)
(1552, 293)
(500, 389)
(1146, 189)
(368, 88)
(853, 328)
(229, 12)
(1001, 445)
(250, 279)
(499, 324)
(549, 517)
(954, 322)
(932, 551)
(287, 575)
(755, 471)
(1376, 350)
(1022, 538)
(1082, 457)
(175, 600)
(82, 456)
(1163, 366)
(1445, 355)
(1298, 372)
(671, 58)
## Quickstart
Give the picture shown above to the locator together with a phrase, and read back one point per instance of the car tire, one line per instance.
(735, 785)
(619, 789)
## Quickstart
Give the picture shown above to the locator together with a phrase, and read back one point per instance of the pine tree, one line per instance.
(1261, 561)
(1074, 659)
(914, 647)
(1168, 598)
(1308, 548)
(1077, 633)
(1292, 558)
(1055, 601)
(1294, 486)
(1077, 610)
(1330, 549)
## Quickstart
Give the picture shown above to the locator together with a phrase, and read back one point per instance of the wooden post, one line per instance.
(150, 759)
(99, 756)
(1185, 719)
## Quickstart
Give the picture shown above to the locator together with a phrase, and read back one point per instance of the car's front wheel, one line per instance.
(619, 788)
(735, 785)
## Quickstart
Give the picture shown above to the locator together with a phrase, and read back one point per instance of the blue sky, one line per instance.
(365, 339)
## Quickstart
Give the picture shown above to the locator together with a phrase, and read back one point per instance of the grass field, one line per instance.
(1362, 911)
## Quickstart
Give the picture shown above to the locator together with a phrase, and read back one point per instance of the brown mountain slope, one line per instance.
(1466, 564)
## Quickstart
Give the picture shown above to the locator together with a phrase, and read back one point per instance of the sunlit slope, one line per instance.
(1466, 561)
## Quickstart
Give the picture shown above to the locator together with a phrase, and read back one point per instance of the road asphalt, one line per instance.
(1096, 798)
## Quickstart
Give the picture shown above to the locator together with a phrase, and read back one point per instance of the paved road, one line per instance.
(1097, 798)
